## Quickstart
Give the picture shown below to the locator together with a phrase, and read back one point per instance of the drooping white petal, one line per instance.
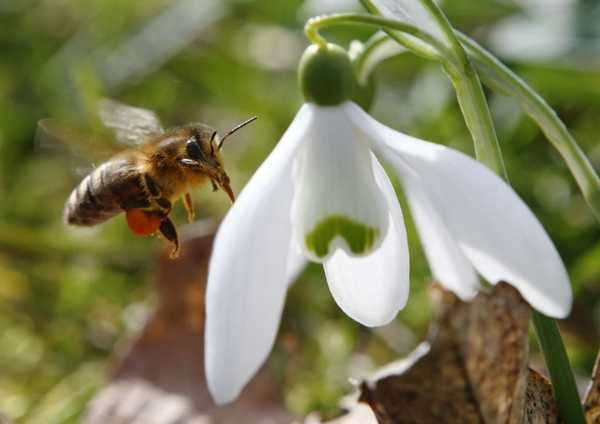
(372, 289)
(448, 264)
(337, 203)
(490, 223)
(411, 12)
(296, 261)
(249, 270)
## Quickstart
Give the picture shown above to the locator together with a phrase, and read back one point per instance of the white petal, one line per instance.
(448, 264)
(372, 289)
(494, 228)
(249, 271)
(337, 203)
(296, 261)
(411, 12)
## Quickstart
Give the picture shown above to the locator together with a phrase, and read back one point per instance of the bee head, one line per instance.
(205, 144)
(202, 146)
(203, 154)
(195, 149)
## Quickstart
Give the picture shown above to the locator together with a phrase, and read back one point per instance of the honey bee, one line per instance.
(146, 180)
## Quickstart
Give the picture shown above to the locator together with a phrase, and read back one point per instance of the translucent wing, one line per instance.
(131, 125)
(82, 149)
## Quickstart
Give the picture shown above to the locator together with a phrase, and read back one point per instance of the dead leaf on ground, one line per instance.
(540, 406)
(473, 370)
(591, 404)
(159, 378)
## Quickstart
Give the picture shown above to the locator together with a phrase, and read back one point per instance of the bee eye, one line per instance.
(193, 150)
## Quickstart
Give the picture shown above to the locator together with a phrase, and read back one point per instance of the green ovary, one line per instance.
(359, 237)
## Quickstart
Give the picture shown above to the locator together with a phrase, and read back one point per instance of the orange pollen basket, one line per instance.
(142, 223)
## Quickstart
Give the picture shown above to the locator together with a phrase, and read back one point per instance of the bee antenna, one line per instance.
(234, 129)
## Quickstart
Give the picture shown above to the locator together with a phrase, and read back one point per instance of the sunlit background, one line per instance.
(67, 295)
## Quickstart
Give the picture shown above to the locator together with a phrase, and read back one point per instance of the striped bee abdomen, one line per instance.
(111, 188)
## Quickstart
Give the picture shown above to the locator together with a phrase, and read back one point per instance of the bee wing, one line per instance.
(81, 148)
(131, 125)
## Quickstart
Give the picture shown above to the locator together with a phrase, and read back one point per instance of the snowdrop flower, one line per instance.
(323, 196)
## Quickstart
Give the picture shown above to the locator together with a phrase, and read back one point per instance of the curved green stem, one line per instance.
(447, 29)
(429, 47)
(376, 49)
(471, 99)
(466, 82)
(498, 76)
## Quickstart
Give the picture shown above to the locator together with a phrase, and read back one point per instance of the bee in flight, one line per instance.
(146, 180)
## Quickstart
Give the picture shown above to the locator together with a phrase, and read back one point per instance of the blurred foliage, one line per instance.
(67, 295)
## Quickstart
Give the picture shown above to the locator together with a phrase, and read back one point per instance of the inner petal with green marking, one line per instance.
(359, 237)
(337, 204)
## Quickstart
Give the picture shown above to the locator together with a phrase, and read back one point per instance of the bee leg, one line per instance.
(164, 205)
(168, 230)
(189, 207)
(151, 186)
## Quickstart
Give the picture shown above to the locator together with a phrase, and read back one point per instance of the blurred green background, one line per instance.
(67, 295)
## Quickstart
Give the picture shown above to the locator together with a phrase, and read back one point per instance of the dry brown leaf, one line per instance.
(539, 400)
(492, 335)
(591, 404)
(160, 377)
(432, 388)
(475, 369)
